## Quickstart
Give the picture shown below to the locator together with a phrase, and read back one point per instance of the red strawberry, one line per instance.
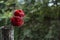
(17, 21)
(19, 13)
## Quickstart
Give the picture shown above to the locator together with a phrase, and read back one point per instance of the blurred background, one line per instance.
(42, 18)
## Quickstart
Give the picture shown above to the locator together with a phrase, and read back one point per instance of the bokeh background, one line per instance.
(42, 18)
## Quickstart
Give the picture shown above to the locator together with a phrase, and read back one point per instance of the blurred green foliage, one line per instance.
(42, 22)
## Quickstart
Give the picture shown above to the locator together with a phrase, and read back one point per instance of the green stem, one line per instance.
(6, 21)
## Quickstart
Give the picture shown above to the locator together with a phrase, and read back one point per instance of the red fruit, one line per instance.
(19, 13)
(17, 21)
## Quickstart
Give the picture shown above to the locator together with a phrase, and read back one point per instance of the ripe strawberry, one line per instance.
(19, 13)
(17, 21)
